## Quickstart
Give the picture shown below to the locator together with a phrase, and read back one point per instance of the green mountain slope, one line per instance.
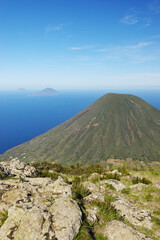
(116, 124)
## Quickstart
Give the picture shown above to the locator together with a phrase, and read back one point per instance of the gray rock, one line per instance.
(38, 209)
(66, 218)
(92, 214)
(16, 168)
(116, 230)
(94, 197)
(119, 186)
(134, 215)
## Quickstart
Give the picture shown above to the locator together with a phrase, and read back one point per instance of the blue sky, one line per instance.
(79, 44)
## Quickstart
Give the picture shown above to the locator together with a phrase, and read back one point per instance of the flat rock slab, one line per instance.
(116, 230)
(133, 214)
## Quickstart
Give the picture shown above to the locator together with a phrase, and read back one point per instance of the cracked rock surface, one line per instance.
(39, 209)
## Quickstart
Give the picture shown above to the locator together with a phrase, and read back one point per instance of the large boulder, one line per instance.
(66, 217)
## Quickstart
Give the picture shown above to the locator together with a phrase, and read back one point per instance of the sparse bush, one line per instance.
(148, 197)
(109, 186)
(4, 216)
(141, 180)
(156, 220)
(45, 173)
(111, 176)
(109, 199)
(95, 180)
(126, 191)
(79, 192)
(107, 211)
(123, 170)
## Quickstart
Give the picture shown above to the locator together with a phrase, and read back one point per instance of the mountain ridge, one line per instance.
(117, 125)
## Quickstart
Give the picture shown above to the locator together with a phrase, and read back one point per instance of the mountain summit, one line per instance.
(117, 125)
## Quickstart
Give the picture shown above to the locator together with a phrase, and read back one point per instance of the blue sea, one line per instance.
(23, 118)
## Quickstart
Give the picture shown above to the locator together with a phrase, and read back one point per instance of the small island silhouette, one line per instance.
(45, 92)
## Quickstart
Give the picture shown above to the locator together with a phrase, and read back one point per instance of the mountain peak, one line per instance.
(119, 125)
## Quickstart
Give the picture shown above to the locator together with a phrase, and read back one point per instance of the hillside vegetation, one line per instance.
(114, 126)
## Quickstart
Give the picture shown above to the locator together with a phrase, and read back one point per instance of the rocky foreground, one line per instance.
(40, 208)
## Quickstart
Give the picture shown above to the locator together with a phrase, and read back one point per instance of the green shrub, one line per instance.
(126, 191)
(141, 180)
(45, 173)
(123, 170)
(111, 176)
(79, 192)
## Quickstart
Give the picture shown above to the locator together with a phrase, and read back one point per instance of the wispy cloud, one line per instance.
(81, 47)
(154, 6)
(137, 53)
(103, 50)
(51, 28)
(130, 19)
(75, 48)
(140, 45)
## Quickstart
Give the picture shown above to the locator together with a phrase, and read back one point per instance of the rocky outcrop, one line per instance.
(38, 209)
(17, 169)
(66, 218)
(134, 215)
(119, 186)
(116, 230)
(97, 192)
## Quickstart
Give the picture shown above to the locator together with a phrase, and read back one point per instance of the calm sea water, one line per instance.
(23, 117)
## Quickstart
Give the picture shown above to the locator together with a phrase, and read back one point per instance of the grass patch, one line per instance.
(85, 232)
(156, 220)
(157, 212)
(126, 191)
(109, 186)
(4, 216)
(99, 236)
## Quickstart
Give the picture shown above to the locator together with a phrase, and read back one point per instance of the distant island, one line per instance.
(45, 92)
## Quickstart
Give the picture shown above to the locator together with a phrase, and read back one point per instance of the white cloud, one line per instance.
(75, 48)
(51, 28)
(130, 19)
(82, 47)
